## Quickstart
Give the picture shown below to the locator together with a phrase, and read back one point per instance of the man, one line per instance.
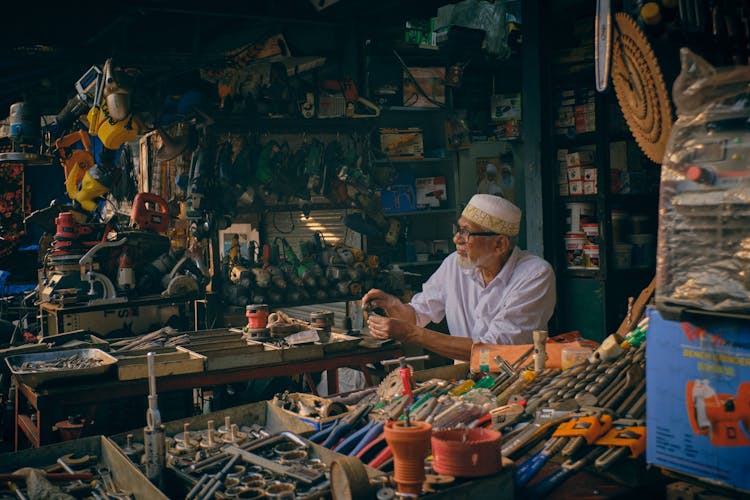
(488, 289)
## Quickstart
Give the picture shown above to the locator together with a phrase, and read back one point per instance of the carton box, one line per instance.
(431, 192)
(589, 187)
(575, 173)
(585, 157)
(575, 188)
(698, 398)
(589, 174)
(402, 143)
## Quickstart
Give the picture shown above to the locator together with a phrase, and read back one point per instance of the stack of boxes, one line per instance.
(576, 112)
(577, 172)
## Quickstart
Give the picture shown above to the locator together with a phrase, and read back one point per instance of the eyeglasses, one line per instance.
(465, 232)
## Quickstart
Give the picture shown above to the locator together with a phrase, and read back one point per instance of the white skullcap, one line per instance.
(490, 168)
(493, 213)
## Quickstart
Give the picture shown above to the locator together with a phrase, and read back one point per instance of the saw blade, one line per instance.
(640, 88)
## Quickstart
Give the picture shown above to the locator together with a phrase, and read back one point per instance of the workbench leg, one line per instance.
(15, 420)
(368, 376)
(333, 381)
(310, 383)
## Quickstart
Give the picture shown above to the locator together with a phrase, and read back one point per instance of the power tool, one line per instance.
(718, 416)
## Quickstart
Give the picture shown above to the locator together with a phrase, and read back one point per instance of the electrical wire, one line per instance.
(416, 83)
(291, 222)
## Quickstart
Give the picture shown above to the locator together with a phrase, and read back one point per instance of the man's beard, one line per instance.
(464, 262)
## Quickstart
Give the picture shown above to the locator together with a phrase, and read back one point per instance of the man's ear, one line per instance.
(503, 243)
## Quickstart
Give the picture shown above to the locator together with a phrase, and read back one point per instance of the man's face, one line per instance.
(476, 251)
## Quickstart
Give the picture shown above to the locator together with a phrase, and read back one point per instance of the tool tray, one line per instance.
(125, 474)
(273, 419)
(173, 361)
(37, 377)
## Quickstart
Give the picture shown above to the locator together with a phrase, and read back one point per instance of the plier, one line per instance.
(358, 440)
(333, 434)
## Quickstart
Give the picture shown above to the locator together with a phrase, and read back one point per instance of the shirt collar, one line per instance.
(507, 271)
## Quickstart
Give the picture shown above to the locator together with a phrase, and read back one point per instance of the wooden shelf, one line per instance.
(585, 139)
(410, 109)
(586, 198)
(286, 124)
(584, 273)
(410, 160)
(426, 211)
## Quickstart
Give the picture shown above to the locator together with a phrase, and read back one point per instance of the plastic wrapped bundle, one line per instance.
(703, 255)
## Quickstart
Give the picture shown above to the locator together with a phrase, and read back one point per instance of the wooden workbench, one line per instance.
(48, 405)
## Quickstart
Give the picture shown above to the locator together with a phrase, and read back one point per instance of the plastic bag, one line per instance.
(704, 216)
(486, 16)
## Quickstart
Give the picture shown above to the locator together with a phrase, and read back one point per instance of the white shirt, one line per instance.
(519, 300)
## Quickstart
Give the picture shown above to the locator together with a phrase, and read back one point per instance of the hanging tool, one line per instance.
(602, 43)
(349, 89)
(640, 88)
(150, 212)
(155, 446)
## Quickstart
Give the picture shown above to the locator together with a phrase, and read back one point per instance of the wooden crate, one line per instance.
(225, 356)
(175, 361)
(125, 474)
(318, 423)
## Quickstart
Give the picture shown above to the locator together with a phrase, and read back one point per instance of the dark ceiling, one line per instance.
(43, 54)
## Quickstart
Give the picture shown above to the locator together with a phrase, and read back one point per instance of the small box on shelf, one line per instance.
(402, 143)
(431, 192)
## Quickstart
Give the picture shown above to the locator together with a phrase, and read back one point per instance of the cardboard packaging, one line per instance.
(431, 192)
(698, 398)
(402, 143)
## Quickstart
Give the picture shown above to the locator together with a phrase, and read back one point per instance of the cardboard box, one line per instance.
(432, 83)
(402, 143)
(575, 173)
(401, 195)
(577, 158)
(589, 174)
(505, 107)
(575, 188)
(431, 192)
(564, 189)
(589, 187)
(698, 398)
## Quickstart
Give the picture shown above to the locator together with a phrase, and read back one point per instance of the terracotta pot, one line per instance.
(466, 452)
(409, 446)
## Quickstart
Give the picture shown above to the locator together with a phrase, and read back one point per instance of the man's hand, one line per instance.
(379, 299)
(391, 328)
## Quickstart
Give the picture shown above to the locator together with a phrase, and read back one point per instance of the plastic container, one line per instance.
(623, 255)
(644, 250)
(576, 215)
(620, 226)
(591, 230)
(572, 355)
(574, 243)
(591, 256)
